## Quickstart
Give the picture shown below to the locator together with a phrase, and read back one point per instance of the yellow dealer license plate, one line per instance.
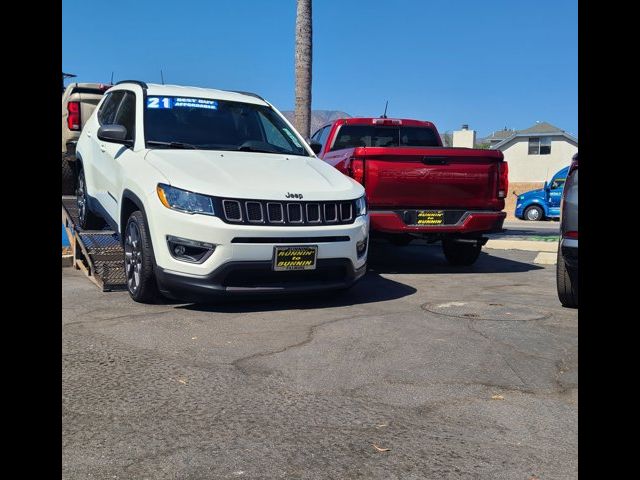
(430, 217)
(295, 258)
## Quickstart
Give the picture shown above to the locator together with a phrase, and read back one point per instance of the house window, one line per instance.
(545, 146)
(539, 146)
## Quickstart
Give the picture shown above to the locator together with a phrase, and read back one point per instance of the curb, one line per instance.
(546, 258)
(529, 245)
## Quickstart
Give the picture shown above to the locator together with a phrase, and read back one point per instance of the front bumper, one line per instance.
(240, 246)
(469, 222)
(258, 278)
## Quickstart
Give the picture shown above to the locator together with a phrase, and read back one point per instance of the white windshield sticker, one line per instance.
(178, 102)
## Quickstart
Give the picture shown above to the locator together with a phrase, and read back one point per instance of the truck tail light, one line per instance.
(356, 170)
(503, 179)
(571, 234)
(73, 119)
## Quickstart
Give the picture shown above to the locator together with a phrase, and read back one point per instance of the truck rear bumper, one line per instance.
(479, 221)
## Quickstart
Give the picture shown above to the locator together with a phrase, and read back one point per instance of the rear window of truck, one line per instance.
(88, 90)
(351, 136)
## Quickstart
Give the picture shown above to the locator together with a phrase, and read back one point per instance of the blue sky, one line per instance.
(489, 64)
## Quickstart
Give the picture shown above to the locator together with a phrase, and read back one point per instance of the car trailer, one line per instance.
(97, 253)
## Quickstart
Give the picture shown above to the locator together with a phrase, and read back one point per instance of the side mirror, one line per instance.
(315, 146)
(114, 134)
(546, 186)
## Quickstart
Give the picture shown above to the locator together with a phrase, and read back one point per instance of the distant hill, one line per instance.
(319, 117)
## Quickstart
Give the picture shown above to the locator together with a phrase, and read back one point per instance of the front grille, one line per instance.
(286, 213)
(254, 212)
(232, 210)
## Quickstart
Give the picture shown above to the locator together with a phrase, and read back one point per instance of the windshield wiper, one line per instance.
(172, 144)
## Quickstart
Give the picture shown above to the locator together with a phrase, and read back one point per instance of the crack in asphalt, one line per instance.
(310, 334)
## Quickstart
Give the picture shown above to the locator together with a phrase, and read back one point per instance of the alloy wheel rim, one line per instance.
(132, 257)
(533, 214)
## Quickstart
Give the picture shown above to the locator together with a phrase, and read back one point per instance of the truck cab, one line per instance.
(542, 203)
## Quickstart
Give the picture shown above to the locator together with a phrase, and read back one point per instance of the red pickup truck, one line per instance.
(415, 187)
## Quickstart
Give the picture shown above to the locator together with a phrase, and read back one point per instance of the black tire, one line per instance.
(87, 220)
(139, 261)
(68, 177)
(461, 253)
(533, 213)
(400, 240)
(567, 283)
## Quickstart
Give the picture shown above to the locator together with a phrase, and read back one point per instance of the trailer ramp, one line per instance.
(97, 253)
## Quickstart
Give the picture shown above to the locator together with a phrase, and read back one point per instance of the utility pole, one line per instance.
(304, 47)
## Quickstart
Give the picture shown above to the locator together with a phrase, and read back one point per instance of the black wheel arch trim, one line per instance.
(129, 195)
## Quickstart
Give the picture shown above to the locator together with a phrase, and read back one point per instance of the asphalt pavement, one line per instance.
(420, 371)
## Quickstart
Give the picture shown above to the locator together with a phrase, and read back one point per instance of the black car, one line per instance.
(567, 265)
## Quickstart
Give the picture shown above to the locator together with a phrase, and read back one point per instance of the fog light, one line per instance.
(190, 251)
(361, 247)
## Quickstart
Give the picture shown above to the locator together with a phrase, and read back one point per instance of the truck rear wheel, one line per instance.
(566, 283)
(461, 253)
(68, 177)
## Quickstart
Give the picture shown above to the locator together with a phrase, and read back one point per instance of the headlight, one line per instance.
(184, 201)
(361, 206)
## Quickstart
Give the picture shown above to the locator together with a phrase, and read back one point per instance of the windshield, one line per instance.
(351, 136)
(204, 123)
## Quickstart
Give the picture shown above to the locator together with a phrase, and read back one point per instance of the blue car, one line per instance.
(543, 203)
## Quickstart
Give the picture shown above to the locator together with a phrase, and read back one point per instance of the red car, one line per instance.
(415, 187)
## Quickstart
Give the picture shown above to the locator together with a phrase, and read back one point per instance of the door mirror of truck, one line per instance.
(546, 186)
(114, 134)
(315, 146)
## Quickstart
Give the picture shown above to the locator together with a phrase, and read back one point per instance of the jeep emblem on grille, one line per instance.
(293, 195)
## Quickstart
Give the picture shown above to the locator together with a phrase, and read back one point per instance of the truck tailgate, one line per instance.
(431, 177)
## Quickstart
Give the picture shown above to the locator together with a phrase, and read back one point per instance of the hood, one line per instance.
(252, 175)
(538, 193)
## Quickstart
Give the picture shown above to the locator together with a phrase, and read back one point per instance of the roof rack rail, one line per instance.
(251, 94)
(137, 82)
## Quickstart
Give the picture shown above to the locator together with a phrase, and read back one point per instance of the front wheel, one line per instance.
(138, 260)
(567, 284)
(533, 213)
(461, 253)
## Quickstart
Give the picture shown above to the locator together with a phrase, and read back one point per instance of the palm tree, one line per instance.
(302, 120)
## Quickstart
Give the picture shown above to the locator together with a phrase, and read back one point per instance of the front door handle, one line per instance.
(103, 147)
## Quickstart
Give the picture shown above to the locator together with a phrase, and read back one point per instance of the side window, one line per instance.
(108, 109)
(323, 135)
(557, 183)
(316, 135)
(126, 114)
(274, 136)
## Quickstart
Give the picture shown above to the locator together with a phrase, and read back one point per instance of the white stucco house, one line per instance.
(536, 153)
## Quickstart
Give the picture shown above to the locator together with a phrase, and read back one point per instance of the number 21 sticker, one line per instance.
(159, 102)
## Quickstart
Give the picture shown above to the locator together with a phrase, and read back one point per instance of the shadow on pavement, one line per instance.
(421, 258)
(371, 289)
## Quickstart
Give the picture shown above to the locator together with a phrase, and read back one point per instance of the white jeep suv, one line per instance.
(214, 192)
